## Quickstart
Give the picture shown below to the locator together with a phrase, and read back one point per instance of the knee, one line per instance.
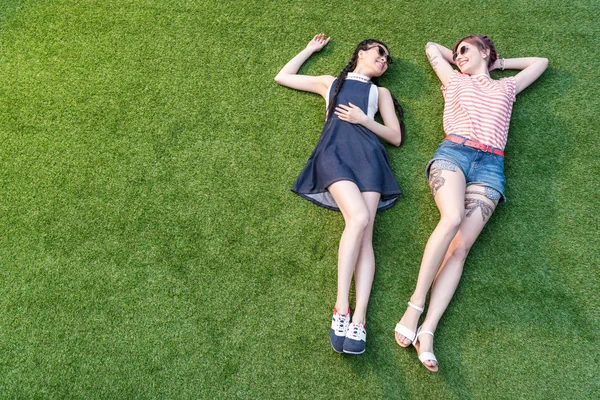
(461, 251)
(451, 221)
(359, 221)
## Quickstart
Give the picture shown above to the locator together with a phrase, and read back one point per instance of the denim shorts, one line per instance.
(478, 167)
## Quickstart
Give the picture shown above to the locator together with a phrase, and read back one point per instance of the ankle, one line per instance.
(428, 326)
(340, 310)
(417, 301)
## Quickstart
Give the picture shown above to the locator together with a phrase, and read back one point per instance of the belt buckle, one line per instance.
(478, 145)
(484, 147)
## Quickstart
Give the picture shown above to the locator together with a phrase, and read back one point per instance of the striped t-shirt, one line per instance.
(479, 107)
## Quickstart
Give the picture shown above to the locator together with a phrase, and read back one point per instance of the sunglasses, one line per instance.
(462, 51)
(381, 50)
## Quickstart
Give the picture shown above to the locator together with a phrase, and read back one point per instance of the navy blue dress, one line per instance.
(350, 152)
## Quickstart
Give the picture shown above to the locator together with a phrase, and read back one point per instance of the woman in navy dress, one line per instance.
(349, 170)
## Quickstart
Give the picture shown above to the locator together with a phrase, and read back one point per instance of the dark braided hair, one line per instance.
(364, 45)
(483, 43)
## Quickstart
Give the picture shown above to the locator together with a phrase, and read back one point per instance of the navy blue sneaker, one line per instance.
(339, 327)
(356, 339)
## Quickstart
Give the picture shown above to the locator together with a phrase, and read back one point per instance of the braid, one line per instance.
(339, 82)
(490, 45)
(400, 112)
(364, 45)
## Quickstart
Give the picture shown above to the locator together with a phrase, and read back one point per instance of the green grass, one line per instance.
(150, 246)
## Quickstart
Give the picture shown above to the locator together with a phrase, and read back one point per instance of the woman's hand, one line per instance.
(498, 64)
(288, 76)
(440, 59)
(317, 43)
(350, 113)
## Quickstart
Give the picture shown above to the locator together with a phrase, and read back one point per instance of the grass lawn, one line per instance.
(150, 246)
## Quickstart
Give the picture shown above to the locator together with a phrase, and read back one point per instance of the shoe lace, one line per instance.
(355, 330)
(342, 322)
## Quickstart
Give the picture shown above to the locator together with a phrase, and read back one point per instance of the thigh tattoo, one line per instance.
(472, 204)
(436, 180)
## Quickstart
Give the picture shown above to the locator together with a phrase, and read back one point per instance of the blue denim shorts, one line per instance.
(478, 167)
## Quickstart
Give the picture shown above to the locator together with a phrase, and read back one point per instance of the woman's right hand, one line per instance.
(317, 43)
(288, 76)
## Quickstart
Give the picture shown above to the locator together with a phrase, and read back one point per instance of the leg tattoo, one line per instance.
(475, 192)
(473, 204)
(436, 180)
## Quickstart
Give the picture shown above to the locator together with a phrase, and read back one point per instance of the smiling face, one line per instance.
(373, 61)
(470, 59)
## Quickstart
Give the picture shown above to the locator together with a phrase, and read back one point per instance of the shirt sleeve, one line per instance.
(453, 78)
(510, 87)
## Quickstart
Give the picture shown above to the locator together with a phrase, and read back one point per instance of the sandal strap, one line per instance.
(420, 332)
(404, 331)
(427, 356)
(411, 305)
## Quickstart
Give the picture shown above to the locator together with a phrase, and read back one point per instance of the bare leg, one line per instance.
(356, 216)
(365, 265)
(478, 209)
(448, 188)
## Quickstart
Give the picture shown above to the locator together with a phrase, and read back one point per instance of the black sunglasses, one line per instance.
(462, 51)
(381, 50)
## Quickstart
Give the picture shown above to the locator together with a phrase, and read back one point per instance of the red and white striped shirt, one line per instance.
(479, 107)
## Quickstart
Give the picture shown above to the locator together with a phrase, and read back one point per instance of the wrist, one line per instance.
(364, 120)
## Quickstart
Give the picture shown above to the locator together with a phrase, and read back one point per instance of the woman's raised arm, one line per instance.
(440, 59)
(288, 76)
(531, 69)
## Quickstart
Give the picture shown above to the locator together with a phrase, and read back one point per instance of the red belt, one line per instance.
(474, 144)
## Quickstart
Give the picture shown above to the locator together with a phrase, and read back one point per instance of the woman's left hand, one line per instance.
(350, 113)
(496, 65)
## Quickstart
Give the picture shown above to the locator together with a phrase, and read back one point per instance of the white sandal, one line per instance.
(425, 356)
(404, 331)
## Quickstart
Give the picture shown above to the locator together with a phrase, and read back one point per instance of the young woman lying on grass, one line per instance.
(349, 170)
(466, 174)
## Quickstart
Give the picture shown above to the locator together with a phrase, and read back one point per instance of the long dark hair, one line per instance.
(483, 43)
(365, 45)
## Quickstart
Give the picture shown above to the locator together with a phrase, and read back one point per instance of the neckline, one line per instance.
(358, 77)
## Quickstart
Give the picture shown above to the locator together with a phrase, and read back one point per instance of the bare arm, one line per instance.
(388, 131)
(531, 69)
(288, 76)
(440, 59)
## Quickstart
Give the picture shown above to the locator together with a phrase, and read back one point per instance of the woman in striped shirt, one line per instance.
(466, 174)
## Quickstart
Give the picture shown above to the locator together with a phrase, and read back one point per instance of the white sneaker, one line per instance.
(339, 327)
(356, 339)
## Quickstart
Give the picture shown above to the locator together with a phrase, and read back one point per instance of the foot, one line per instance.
(339, 328)
(424, 344)
(405, 329)
(356, 339)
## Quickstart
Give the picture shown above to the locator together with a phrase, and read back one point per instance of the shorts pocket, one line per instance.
(498, 160)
